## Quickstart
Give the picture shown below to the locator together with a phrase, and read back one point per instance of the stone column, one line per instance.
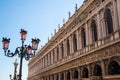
(65, 48)
(78, 43)
(71, 74)
(115, 16)
(54, 76)
(87, 35)
(99, 29)
(79, 73)
(89, 32)
(118, 9)
(60, 57)
(48, 59)
(72, 50)
(43, 63)
(103, 28)
(89, 71)
(103, 68)
(55, 50)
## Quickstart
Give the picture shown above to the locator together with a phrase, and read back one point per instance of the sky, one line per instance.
(38, 17)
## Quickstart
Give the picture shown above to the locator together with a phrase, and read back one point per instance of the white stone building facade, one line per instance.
(86, 47)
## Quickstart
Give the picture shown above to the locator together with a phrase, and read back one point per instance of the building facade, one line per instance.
(86, 47)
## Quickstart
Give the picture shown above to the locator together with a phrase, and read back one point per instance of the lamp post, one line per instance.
(15, 71)
(25, 51)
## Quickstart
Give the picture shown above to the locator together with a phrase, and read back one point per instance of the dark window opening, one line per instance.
(113, 68)
(94, 31)
(76, 74)
(68, 75)
(97, 71)
(83, 37)
(74, 43)
(108, 21)
(68, 47)
(103, 0)
(57, 53)
(62, 51)
(85, 73)
(62, 76)
(57, 77)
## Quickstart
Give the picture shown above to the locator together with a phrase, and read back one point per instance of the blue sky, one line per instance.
(38, 17)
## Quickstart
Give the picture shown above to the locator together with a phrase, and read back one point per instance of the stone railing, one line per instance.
(85, 79)
(96, 78)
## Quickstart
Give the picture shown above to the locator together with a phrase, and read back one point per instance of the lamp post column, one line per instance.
(21, 60)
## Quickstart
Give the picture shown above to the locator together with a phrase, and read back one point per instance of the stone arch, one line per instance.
(75, 75)
(113, 68)
(108, 21)
(85, 73)
(97, 70)
(68, 75)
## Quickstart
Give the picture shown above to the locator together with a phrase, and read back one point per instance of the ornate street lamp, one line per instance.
(25, 51)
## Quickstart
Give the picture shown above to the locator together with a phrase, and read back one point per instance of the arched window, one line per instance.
(62, 51)
(57, 53)
(62, 76)
(113, 68)
(76, 74)
(57, 77)
(68, 47)
(108, 21)
(83, 38)
(68, 75)
(74, 43)
(94, 31)
(97, 71)
(85, 73)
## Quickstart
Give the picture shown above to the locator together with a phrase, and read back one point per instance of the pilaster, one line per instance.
(118, 9)
(86, 31)
(65, 48)
(60, 56)
(70, 39)
(99, 29)
(115, 16)
(103, 68)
